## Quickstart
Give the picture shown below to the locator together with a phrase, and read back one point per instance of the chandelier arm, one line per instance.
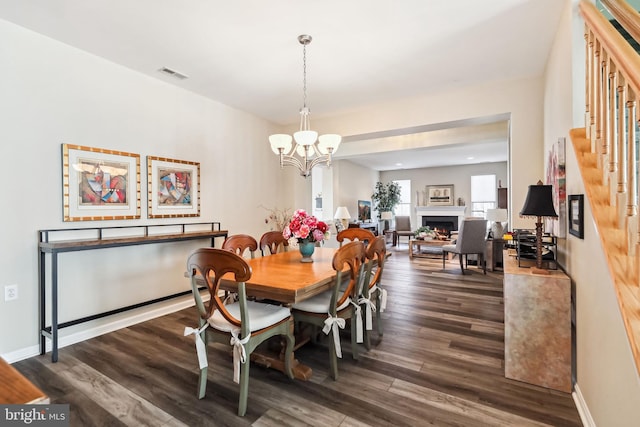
(325, 158)
(287, 160)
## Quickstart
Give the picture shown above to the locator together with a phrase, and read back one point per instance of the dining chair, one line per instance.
(373, 296)
(244, 324)
(273, 241)
(403, 229)
(353, 234)
(331, 309)
(472, 239)
(240, 243)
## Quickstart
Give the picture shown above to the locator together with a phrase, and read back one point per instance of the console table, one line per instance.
(537, 326)
(53, 242)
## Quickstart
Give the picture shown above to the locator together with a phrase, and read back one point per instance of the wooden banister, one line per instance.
(607, 151)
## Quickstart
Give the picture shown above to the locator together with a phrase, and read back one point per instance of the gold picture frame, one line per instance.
(99, 184)
(173, 188)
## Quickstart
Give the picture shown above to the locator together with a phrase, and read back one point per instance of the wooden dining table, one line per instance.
(282, 277)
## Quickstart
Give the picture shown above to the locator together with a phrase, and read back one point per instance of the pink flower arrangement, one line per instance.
(305, 226)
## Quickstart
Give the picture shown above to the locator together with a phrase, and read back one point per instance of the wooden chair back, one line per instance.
(239, 243)
(376, 254)
(348, 262)
(273, 241)
(211, 264)
(354, 234)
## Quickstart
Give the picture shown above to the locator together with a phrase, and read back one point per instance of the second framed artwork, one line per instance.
(576, 215)
(173, 187)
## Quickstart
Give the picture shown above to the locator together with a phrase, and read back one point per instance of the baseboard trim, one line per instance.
(149, 313)
(583, 410)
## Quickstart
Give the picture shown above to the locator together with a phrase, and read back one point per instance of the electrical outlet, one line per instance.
(10, 292)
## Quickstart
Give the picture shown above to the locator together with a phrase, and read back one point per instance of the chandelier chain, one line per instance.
(304, 75)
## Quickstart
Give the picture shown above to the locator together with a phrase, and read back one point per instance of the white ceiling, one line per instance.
(245, 53)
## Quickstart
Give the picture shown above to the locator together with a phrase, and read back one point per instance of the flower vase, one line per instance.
(306, 248)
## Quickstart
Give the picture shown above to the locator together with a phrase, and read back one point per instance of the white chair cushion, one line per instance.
(449, 248)
(319, 303)
(260, 316)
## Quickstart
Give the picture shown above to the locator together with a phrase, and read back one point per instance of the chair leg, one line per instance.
(333, 358)
(202, 383)
(461, 262)
(354, 338)
(484, 264)
(244, 387)
(378, 314)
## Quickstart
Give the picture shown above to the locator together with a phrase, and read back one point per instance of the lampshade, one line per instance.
(539, 202)
(342, 213)
(498, 215)
(386, 215)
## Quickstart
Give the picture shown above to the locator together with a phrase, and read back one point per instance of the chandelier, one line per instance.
(309, 150)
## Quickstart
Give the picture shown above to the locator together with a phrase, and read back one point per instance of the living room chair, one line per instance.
(471, 240)
(354, 234)
(244, 324)
(403, 229)
(273, 241)
(373, 296)
(331, 309)
(240, 243)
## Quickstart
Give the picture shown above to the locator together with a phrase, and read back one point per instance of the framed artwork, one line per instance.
(364, 210)
(439, 195)
(576, 215)
(556, 176)
(99, 184)
(174, 188)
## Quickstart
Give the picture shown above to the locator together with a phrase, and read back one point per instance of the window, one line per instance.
(404, 207)
(483, 194)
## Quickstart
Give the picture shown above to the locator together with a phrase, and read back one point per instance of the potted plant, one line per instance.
(385, 197)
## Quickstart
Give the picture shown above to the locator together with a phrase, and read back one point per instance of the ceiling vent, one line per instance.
(173, 73)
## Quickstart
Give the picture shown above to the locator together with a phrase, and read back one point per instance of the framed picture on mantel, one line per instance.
(439, 195)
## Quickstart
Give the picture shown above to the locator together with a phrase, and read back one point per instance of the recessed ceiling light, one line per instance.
(470, 158)
(398, 164)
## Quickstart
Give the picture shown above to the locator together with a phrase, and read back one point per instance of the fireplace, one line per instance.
(444, 224)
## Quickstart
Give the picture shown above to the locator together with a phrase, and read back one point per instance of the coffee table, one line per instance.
(436, 244)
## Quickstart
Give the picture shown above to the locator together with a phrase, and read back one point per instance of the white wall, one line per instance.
(352, 182)
(521, 99)
(607, 379)
(54, 94)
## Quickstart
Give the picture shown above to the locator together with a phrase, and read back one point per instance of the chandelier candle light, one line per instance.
(310, 150)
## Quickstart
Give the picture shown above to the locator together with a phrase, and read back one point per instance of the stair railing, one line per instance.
(612, 86)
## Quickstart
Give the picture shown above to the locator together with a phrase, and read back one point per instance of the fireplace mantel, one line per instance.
(458, 211)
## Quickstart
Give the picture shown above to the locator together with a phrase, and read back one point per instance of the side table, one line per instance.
(493, 254)
(389, 236)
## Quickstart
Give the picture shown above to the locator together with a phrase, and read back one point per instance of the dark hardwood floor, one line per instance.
(441, 362)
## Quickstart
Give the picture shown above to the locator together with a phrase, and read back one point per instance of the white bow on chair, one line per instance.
(358, 309)
(369, 308)
(200, 347)
(239, 353)
(334, 323)
(382, 296)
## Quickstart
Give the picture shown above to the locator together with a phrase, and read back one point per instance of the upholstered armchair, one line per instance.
(471, 239)
(403, 229)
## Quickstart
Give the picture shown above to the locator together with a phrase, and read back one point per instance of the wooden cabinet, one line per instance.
(537, 326)
(503, 201)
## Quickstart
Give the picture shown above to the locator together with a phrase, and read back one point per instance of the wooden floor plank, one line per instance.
(440, 362)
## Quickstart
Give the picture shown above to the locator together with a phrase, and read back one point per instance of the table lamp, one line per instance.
(342, 213)
(539, 204)
(498, 216)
